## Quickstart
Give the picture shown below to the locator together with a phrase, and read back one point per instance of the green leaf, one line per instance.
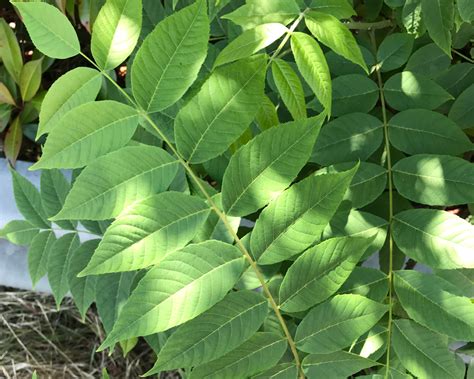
(54, 189)
(170, 58)
(353, 93)
(368, 184)
(320, 271)
(281, 230)
(435, 179)
(257, 12)
(116, 31)
(456, 78)
(466, 11)
(28, 201)
(264, 167)
(104, 188)
(214, 333)
(313, 67)
(259, 353)
(367, 282)
(30, 79)
(76, 141)
(337, 323)
(394, 51)
(38, 255)
(58, 257)
(267, 116)
(462, 110)
(49, 29)
(425, 353)
(290, 88)
(339, 65)
(74, 88)
(351, 137)
(438, 16)
(280, 371)
(436, 238)
(184, 285)
(82, 289)
(250, 42)
(111, 293)
(461, 278)
(429, 61)
(418, 131)
(19, 232)
(148, 231)
(335, 35)
(337, 8)
(221, 111)
(407, 90)
(5, 96)
(433, 303)
(340, 364)
(10, 51)
(358, 224)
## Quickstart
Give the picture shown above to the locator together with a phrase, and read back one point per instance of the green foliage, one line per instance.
(257, 155)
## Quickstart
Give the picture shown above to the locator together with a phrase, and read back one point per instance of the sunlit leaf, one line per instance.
(184, 285)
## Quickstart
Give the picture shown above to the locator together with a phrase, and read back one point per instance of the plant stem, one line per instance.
(369, 25)
(287, 36)
(390, 210)
(216, 209)
(463, 56)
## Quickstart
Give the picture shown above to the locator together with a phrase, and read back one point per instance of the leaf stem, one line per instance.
(216, 209)
(369, 25)
(287, 36)
(390, 210)
(463, 56)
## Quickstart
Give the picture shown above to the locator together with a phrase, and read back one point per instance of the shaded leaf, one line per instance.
(28, 201)
(407, 90)
(418, 131)
(340, 364)
(438, 16)
(30, 79)
(58, 259)
(214, 333)
(82, 289)
(353, 93)
(351, 137)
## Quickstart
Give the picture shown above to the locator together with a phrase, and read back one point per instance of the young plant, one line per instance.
(242, 181)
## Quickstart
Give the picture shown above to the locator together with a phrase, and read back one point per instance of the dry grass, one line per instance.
(35, 336)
